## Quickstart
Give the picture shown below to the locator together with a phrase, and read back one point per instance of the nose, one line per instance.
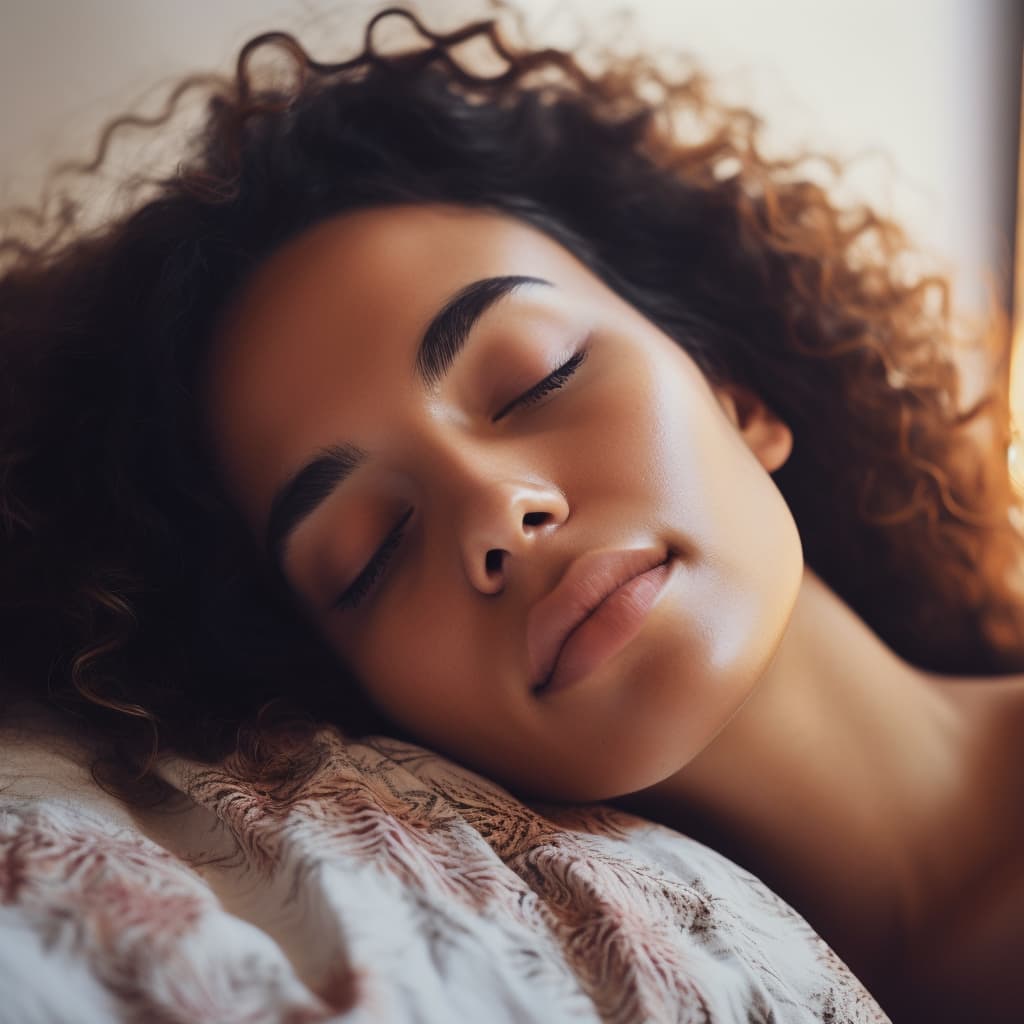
(504, 520)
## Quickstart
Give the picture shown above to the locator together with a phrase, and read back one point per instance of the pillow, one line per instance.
(388, 884)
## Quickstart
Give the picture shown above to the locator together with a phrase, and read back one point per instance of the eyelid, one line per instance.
(367, 578)
(555, 380)
(356, 592)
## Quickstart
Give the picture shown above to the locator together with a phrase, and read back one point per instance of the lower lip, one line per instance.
(608, 628)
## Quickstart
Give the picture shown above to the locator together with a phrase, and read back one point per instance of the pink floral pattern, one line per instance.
(392, 885)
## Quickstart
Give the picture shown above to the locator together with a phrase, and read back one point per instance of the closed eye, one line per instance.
(552, 382)
(367, 579)
(361, 586)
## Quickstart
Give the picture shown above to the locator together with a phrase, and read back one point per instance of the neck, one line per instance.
(840, 783)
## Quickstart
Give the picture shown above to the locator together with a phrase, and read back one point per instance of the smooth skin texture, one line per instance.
(635, 450)
(753, 709)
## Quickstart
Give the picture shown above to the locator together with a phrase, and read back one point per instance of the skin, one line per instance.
(321, 351)
(753, 709)
(636, 450)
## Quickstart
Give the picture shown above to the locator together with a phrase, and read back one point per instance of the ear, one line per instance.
(767, 436)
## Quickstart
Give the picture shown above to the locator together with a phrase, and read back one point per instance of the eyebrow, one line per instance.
(444, 338)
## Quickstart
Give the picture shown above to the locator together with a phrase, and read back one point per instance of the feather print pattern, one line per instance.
(391, 885)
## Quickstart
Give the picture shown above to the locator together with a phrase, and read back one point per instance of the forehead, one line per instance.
(333, 313)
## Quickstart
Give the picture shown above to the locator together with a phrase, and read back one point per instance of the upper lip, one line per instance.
(585, 584)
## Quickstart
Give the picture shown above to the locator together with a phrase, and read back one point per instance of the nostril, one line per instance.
(493, 560)
(535, 518)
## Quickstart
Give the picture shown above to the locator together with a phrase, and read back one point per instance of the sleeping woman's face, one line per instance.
(513, 506)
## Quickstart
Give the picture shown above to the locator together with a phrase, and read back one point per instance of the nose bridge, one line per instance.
(486, 479)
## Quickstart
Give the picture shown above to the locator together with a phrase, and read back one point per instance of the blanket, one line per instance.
(389, 885)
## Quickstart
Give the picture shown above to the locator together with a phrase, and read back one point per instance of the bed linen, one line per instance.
(391, 885)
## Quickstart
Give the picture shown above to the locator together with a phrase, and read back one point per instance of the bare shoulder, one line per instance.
(967, 969)
(970, 970)
(967, 965)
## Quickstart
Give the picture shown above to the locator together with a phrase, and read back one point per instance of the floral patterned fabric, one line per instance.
(392, 885)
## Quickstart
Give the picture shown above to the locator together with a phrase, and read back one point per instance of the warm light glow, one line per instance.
(1016, 453)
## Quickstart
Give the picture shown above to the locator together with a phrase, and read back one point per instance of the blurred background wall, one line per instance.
(927, 90)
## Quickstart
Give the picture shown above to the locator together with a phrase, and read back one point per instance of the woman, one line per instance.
(484, 408)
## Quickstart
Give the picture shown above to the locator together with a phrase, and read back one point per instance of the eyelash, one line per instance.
(358, 590)
(552, 382)
(354, 594)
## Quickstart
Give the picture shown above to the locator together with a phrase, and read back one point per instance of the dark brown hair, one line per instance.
(131, 595)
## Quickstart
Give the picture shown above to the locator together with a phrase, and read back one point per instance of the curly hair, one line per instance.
(132, 596)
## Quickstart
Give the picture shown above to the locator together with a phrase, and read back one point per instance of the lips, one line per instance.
(588, 582)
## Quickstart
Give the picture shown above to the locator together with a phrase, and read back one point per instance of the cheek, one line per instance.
(427, 669)
(705, 493)
(647, 449)
(620, 448)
